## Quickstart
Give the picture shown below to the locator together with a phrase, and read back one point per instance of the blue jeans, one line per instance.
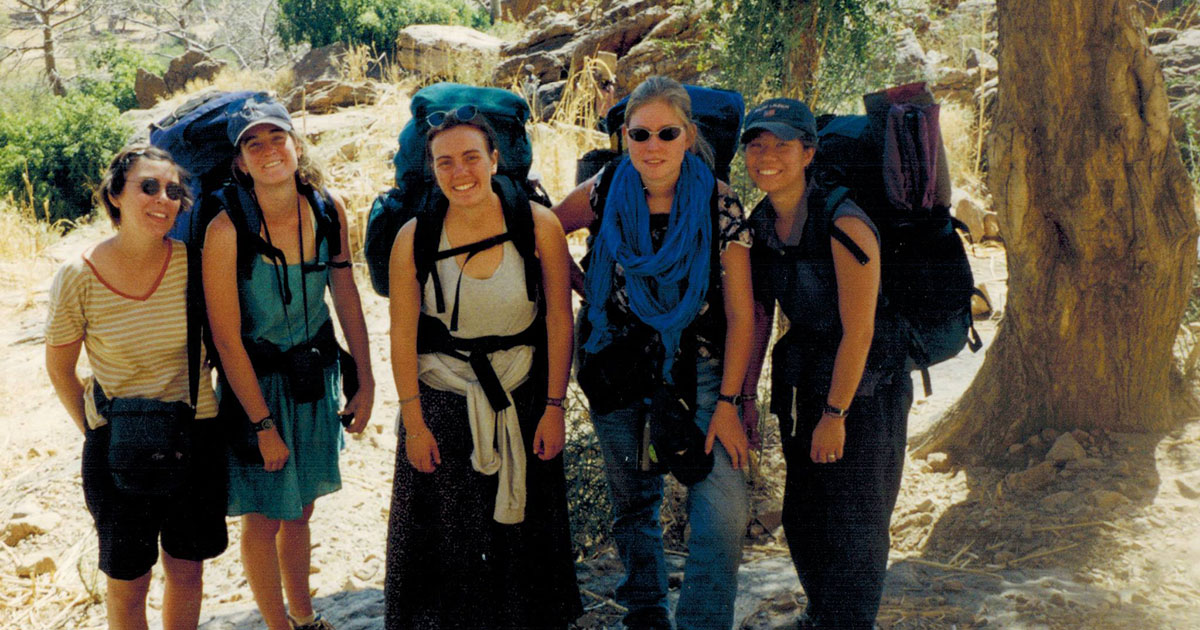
(717, 507)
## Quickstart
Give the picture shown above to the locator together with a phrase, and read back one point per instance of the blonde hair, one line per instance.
(660, 89)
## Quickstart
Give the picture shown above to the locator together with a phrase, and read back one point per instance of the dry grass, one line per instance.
(27, 235)
(961, 127)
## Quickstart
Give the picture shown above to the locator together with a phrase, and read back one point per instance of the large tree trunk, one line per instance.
(1098, 217)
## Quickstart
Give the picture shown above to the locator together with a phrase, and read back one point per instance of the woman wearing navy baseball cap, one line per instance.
(842, 418)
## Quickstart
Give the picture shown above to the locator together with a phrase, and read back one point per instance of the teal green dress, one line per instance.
(311, 431)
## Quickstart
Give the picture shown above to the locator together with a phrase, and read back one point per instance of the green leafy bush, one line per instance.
(62, 145)
(374, 23)
(110, 74)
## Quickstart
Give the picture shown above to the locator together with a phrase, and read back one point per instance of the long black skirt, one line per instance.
(449, 563)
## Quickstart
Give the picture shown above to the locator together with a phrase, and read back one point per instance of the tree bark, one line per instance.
(1097, 214)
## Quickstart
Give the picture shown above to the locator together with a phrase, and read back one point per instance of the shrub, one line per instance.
(374, 23)
(111, 72)
(62, 145)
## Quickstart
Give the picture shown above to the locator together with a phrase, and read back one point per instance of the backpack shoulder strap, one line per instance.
(832, 201)
(426, 239)
(328, 225)
(518, 217)
(195, 322)
(607, 173)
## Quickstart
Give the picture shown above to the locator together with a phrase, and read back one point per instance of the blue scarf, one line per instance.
(666, 288)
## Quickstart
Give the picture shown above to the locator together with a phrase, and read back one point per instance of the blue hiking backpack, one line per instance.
(416, 191)
(891, 162)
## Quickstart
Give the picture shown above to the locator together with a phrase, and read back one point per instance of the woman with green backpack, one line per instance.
(478, 535)
(839, 387)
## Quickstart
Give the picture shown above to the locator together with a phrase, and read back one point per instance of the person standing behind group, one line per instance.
(125, 301)
(478, 536)
(839, 385)
(652, 282)
(261, 322)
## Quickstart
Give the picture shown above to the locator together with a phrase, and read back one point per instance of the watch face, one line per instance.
(266, 423)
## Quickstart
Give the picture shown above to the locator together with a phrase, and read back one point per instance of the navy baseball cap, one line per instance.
(256, 110)
(787, 118)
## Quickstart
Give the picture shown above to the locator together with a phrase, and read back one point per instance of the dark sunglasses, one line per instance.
(462, 114)
(151, 186)
(666, 134)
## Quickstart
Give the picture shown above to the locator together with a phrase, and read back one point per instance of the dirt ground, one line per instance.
(1107, 538)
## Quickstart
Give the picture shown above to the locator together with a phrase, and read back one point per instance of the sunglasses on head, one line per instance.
(666, 134)
(151, 186)
(462, 114)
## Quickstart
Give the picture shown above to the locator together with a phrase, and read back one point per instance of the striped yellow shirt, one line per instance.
(137, 345)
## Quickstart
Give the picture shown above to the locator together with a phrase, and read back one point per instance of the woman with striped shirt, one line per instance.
(124, 301)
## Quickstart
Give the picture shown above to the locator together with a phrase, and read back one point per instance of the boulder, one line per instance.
(148, 88)
(1065, 449)
(190, 66)
(319, 63)
(326, 95)
(910, 57)
(1030, 479)
(671, 46)
(539, 67)
(970, 210)
(551, 33)
(434, 50)
(1160, 36)
(938, 463)
(1106, 500)
(977, 58)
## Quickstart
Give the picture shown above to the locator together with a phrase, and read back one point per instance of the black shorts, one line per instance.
(191, 521)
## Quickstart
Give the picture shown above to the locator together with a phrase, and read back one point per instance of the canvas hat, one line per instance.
(787, 118)
(256, 110)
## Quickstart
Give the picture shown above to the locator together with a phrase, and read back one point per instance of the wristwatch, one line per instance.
(263, 425)
(734, 400)
(837, 412)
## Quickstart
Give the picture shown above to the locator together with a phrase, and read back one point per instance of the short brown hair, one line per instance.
(113, 182)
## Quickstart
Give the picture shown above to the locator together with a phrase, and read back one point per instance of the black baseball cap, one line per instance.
(787, 118)
(256, 110)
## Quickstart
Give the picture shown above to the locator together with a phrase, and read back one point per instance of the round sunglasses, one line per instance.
(150, 187)
(666, 134)
(462, 114)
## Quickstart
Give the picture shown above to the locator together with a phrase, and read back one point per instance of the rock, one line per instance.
(148, 88)
(909, 57)
(1049, 435)
(29, 524)
(981, 306)
(548, 34)
(971, 211)
(938, 462)
(1015, 449)
(435, 50)
(912, 521)
(35, 564)
(1004, 557)
(1065, 449)
(1057, 501)
(1105, 500)
(925, 506)
(190, 66)
(1183, 51)
(977, 58)
(1188, 491)
(1087, 463)
(326, 95)
(1032, 478)
(319, 63)
(541, 67)
(546, 101)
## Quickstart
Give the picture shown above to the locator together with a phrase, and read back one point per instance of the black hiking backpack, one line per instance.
(416, 191)
(891, 162)
(717, 113)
